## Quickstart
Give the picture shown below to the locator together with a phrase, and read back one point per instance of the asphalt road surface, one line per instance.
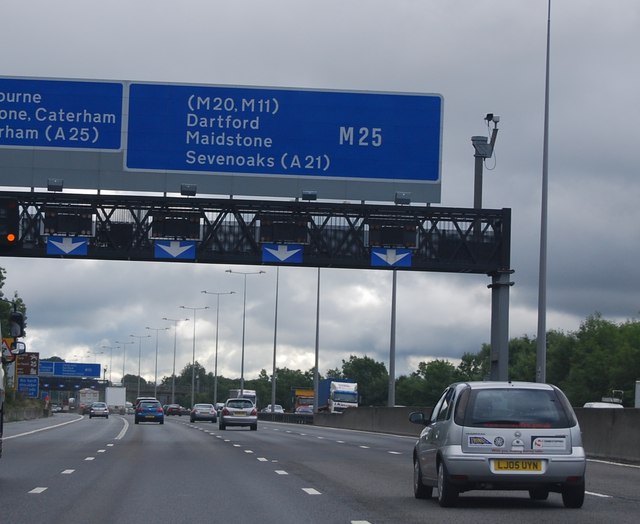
(71, 469)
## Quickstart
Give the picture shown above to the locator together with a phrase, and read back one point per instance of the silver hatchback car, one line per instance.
(500, 436)
(238, 412)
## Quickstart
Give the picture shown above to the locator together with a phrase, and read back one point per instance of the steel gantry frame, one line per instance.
(231, 231)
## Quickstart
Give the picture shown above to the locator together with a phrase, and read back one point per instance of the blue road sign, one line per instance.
(60, 114)
(28, 385)
(282, 253)
(45, 367)
(76, 246)
(68, 369)
(218, 129)
(175, 249)
(381, 257)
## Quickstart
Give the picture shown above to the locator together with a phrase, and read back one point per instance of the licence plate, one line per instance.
(149, 416)
(239, 413)
(517, 465)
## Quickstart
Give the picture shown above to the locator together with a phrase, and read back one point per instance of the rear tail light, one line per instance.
(160, 410)
(225, 411)
(254, 412)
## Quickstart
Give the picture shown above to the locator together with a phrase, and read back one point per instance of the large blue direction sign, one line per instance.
(68, 369)
(352, 135)
(60, 114)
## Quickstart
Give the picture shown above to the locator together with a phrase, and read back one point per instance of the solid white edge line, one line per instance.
(43, 429)
(601, 495)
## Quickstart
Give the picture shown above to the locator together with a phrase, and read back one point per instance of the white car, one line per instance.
(277, 408)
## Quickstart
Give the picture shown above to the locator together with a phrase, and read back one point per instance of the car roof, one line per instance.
(494, 384)
(602, 405)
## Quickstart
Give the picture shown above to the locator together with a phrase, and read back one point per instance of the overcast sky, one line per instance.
(482, 57)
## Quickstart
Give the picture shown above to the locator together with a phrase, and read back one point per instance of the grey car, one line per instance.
(203, 412)
(98, 409)
(500, 436)
(238, 412)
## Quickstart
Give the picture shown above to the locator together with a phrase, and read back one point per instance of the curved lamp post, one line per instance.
(193, 360)
(215, 372)
(244, 316)
(175, 343)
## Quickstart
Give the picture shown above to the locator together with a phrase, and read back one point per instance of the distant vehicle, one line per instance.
(277, 408)
(204, 412)
(86, 397)
(604, 405)
(173, 409)
(149, 411)
(184, 411)
(128, 408)
(238, 412)
(55, 408)
(301, 397)
(99, 409)
(219, 406)
(116, 399)
(304, 410)
(500, 436)
(336, 395)
(244, 393)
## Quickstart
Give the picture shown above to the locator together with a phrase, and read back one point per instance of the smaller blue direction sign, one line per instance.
(75, 246)
(175, 249)
(28, 386)
(61, 114)
(381, 257)
(282, 253)
(45, 368)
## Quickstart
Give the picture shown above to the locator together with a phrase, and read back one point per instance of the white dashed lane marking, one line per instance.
(38, 490)
(311, 491)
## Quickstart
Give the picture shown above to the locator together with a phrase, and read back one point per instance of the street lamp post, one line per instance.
(175, 341)
(110, 348)
(139, 337)
(193, 359)
(215, 365)
(155, 380)
(124, 356)
(244, 317)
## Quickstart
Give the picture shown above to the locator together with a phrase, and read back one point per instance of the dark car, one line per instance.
(149, 411)
(98, 409)
(204, 412)
(500, 436)
(173, 409)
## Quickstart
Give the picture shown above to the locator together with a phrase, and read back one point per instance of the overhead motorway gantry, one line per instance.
(255, 232)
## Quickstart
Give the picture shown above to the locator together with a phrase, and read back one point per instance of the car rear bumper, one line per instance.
(239, 421)
(470, 469)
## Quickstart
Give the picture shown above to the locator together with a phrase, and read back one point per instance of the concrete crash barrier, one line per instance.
(15, 414)
(611, 434)
(608, 434)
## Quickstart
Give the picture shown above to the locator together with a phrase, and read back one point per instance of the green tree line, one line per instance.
(588, 364)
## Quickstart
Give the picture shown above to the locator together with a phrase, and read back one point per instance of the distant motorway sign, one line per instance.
(68, 369)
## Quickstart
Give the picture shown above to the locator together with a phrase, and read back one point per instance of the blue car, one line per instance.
(149, 411)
